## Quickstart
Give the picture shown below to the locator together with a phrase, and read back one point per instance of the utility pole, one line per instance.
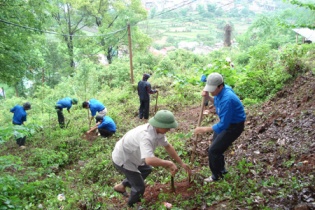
(130, 54)
(43, 76)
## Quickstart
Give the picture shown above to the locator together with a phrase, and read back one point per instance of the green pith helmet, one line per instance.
(163, 119)
(74, 101)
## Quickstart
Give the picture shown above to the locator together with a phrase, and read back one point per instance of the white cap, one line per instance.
(213, 81)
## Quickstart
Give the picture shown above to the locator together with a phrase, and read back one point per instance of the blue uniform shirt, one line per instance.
(229, 109)
(95, 106)
(65, 103)
(19, 115)
(108, 124)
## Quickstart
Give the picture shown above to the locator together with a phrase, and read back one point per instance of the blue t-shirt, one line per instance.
(95, 106)
(229, 109)
(19, 115)
(65, 103)
(108, 124)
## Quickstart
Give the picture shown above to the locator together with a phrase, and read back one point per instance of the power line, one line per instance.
(176, 5)
(174, 8)
(101, 35)
(181, 20)
(190, 16)
(55, 33)
(221, 6)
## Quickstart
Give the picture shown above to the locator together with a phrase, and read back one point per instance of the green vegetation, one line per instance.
(61, 161)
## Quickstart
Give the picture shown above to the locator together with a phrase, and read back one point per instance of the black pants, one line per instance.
(61, 118)
(135, 181)
(105, 133)
(144, 109)
(220, 144)
(20, 141)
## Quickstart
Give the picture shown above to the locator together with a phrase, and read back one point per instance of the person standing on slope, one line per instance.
(232, 118)
(144, 91)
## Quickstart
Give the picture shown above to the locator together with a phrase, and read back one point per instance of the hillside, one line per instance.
(278, 143)
(271, 165)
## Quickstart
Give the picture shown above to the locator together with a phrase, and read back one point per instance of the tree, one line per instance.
(184, 11)
(303, 16)
(266, 29)
(201, 9)
(111, 19)
(211, 8)
(71, 16)
(152, 12)
(227, 35)
(21, 20)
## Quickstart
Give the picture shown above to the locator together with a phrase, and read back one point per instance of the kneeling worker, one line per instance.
(105, 125)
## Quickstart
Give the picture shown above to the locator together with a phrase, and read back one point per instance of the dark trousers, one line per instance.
(144, 109)
(20, 141)
(105, 133)
(220, 144)
(61, 118)
(135, 181)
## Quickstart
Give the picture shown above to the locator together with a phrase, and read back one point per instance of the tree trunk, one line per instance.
(109, 55)
(227, 35)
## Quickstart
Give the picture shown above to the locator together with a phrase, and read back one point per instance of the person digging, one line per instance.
(134, 157)
(95, 106)
(231, 125)
(104, 125)
(19, 117)
(60, 105)
(144, 92)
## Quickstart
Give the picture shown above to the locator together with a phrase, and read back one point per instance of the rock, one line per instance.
(301, 207)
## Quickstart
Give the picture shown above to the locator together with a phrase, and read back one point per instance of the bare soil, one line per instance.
(276, 131)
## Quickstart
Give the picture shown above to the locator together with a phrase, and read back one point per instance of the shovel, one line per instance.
(192, 157)
(172, 184)
(67, 123)
(157, 95)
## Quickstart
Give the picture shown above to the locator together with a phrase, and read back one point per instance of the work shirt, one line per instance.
(19, 115)
(136, 145)
(144, 90)
(108, 124)
(229, 109)
(95, 106)
(65, 103)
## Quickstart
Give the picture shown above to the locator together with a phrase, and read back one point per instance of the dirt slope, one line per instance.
(280, 134)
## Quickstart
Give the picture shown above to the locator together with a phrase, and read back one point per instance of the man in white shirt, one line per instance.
(133, 154)
(2, 93)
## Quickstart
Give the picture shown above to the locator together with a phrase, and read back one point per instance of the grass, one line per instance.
(61, 161)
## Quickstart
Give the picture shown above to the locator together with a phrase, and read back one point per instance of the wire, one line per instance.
(52, 32)
(174, 8)
(111, 33)
(189, 16)
(115, 45)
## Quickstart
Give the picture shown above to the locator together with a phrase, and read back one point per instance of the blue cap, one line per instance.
(203, 78)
